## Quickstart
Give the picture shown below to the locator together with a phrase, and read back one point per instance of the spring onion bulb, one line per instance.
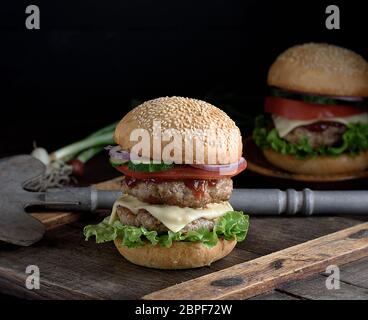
(61, 164)
(42, 155)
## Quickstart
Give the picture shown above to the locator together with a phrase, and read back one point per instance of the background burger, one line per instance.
(318, 122)
(175, 216)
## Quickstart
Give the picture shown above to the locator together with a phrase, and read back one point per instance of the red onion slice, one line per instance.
(344, 98)
(224, 168)
(352, 99)
(117, 154)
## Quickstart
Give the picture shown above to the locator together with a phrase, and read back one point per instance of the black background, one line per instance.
(93, 60)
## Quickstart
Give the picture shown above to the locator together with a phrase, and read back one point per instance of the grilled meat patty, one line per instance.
(187, 193)
(144, 219)
(318, 134)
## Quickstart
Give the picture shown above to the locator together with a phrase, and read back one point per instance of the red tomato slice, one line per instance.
(300, 110)
(180, 172)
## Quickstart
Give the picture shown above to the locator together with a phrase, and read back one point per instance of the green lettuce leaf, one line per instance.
(232, 225)
(103, 231)
(354, 141)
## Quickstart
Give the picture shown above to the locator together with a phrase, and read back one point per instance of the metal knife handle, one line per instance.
(306, 202)
(81, 199)
(339, 202)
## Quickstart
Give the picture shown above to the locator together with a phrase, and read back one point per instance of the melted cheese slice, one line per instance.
(173, 217)
(285, 125)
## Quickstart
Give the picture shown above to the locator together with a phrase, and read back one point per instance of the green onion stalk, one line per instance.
(69, 161)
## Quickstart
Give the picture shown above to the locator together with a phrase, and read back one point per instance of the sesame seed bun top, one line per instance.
(194, 120)
(320, 68)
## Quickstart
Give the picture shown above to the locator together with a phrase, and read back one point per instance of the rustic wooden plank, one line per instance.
(354, 282)
(72, 268)
(270, 234)
(315, 289)
(355, 273)
(57, 219)
(274, 295)
(265, 273)
(13, 283)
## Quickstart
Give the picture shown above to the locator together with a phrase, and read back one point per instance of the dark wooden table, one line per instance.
(71, 268)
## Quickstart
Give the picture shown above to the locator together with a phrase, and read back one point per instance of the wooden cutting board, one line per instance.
(56, 219)
(276, 255)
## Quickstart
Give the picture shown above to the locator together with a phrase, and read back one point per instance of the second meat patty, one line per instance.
(320, 134)
(144, 219)
(188, 193)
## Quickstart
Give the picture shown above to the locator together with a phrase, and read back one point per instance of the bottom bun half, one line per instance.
(181, 255)
(320, 165)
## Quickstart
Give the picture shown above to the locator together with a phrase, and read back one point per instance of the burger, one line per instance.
(177, 156)
(316, 119)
